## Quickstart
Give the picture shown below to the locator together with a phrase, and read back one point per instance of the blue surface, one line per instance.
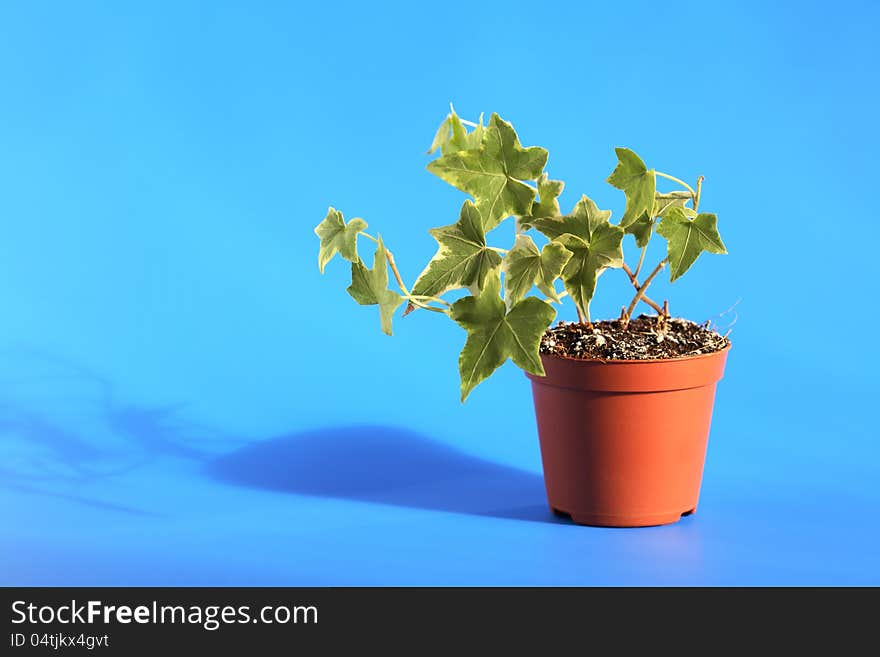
(185, 400)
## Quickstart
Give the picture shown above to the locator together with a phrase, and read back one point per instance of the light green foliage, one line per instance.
(583, 220)
(637, 182)
(505, 179)
(336, 236)
(595, 245)
(369, 287)
(494, 173)
(452, 135)
(687, 238)
(547, 204)
(496, 333)
(664, 202)
(462, 258)
(641, 229)
(525, 266)
(443, 135)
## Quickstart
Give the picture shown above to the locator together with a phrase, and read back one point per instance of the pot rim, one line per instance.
(638, 361)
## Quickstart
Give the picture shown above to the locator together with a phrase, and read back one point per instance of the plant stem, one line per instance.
(635, 282)
(425, 297)
(676, 180)
(423, 307)
(497, 249)
(644, 286)
(584, 317)
(699, 191)
(641, 261)
(467, 123)
(416, 300)
(390, 257)
(581, 319)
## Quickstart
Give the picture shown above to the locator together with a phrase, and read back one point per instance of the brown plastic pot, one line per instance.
(623, 442)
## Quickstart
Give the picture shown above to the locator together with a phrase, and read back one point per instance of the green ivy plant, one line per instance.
(506, 180)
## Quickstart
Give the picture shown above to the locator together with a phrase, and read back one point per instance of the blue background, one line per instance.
(185, 400)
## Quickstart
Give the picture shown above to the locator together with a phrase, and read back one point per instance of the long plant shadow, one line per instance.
(385, 465)
(64, 426)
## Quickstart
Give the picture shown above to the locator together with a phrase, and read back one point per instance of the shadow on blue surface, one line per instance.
(85, 501)
(64, 427)
(386, 465)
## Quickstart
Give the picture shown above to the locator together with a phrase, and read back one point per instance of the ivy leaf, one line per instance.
(582, 221)
(687, 238)
(547, 204)
(641, 229)
(588, 261)
(442, 135)
(637, 182)
(496, 334)
(494, 173)
(462, 259)
(663, 202)
(595, 244)
(369, 287)
(452, 136)
(458, 136)
(336, 235)
(525, 266)
(475, 136)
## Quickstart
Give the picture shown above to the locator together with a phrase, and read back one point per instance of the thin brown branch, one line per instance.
(644, 286)
(635, 283)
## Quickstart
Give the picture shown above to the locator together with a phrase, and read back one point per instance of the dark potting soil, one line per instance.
(648, 337)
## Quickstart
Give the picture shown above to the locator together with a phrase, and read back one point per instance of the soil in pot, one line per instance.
(648, 337)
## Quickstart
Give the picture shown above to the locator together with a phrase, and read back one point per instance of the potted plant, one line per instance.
(624, 405)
